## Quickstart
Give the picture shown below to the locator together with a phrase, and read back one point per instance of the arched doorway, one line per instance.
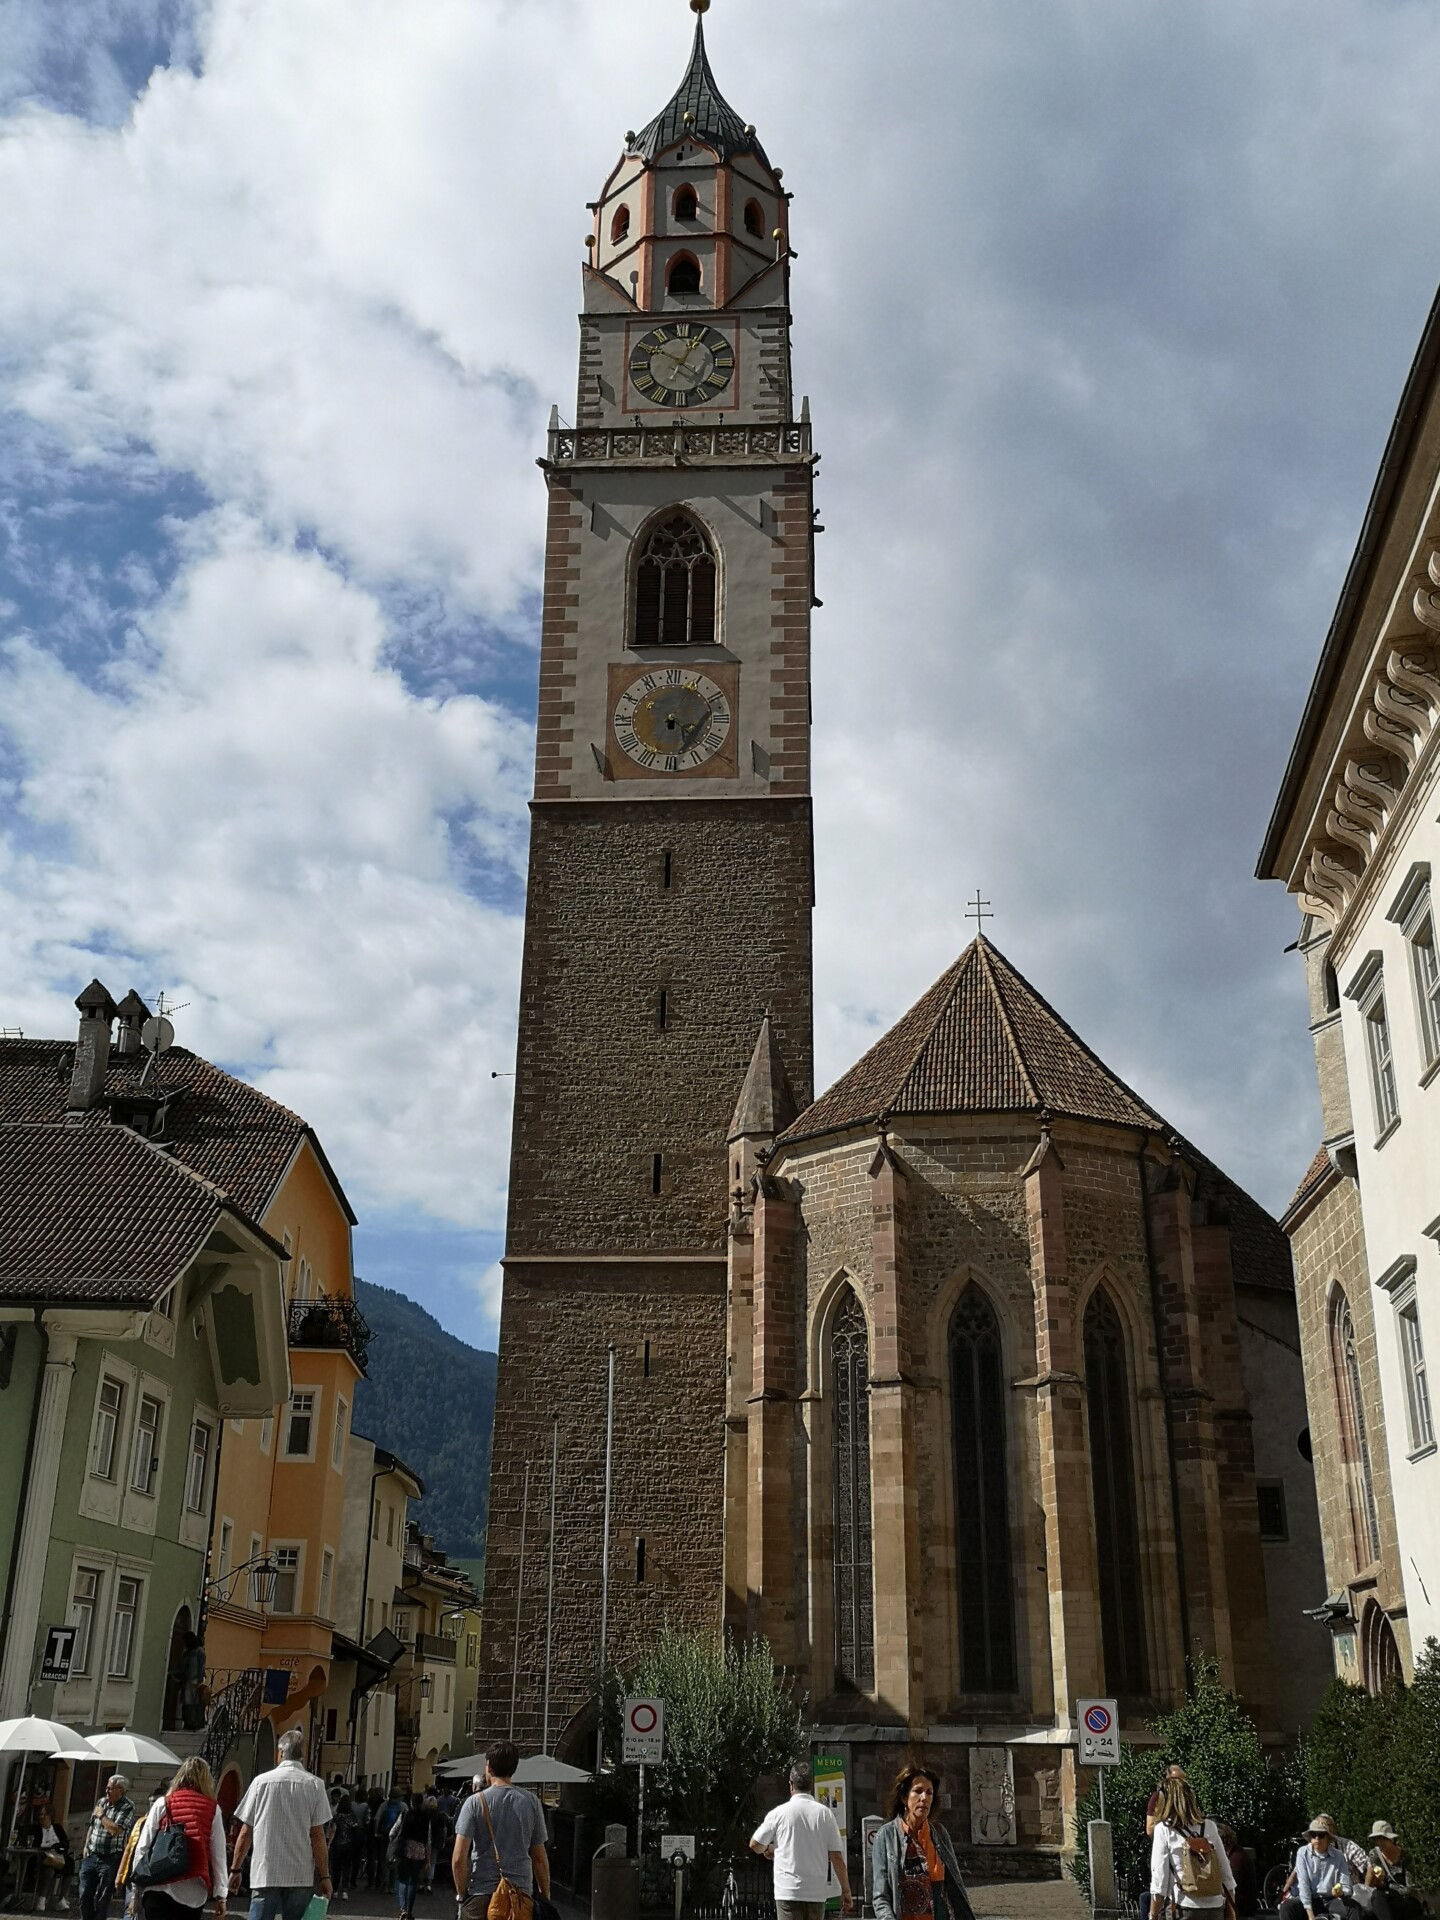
(1379, 1650)
(174, 1670)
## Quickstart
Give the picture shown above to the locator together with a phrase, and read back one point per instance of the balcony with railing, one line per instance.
(435, 1646)
(681, 443)
(332, 1322)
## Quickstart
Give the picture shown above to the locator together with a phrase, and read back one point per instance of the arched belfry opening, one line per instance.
(984, 1580)
(684, 274)
(850, 1440)
(1112, 1475)
(675, 585)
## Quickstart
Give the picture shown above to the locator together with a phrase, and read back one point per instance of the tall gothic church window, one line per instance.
(675, 586)
(983, 1574)
(1112, 1471)
(1354, 1436)
(854, 1570)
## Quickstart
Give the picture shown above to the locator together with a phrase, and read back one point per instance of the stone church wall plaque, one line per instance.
(992, 1797)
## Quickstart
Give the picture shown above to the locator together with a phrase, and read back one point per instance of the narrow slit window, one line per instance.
(657, 1169)
(666, 871)
(639, 1563)
(646, 1360)
(662, 1009)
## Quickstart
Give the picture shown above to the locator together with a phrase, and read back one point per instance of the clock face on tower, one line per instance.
(681, 364)
(672, 720)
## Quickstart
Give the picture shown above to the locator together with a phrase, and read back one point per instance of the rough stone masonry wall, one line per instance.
(1328, 1247)
(600, 1086)
(555, 1328)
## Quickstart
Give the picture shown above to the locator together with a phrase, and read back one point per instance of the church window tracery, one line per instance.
(854, 1571)
(1112, 1472)
(684, 276)
(983, 1574)
(675, 586)
(1354, 1435)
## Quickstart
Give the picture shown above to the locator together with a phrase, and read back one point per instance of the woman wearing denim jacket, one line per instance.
(913, 1866)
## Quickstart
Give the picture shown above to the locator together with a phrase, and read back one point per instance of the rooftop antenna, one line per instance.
(157, 1036)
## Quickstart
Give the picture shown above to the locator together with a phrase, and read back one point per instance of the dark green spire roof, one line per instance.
(715, 121)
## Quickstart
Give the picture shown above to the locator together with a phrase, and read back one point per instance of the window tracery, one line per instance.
(854, 1569)
(675, 586)
(1112, 1471)
(1354, 1434)
(983, 1575)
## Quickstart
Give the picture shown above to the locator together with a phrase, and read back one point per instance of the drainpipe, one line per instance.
(1169, 1421)
(375, 1474)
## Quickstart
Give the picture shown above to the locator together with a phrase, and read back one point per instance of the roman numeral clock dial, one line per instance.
(672, 720)
(682, 365)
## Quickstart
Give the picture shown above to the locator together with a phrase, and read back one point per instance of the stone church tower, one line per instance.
(669, 901)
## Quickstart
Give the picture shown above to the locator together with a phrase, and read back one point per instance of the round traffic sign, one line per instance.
(643, 1717)
(1097, 1719)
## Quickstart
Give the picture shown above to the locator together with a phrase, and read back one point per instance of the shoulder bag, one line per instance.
(167, 1857)
(507, 1902)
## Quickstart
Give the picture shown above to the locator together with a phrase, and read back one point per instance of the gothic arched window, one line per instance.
(687, 204)
(983, 1575)
(684, 276)
(1112, 1473)
(854, 1573)
(620, 226)
(675, 586)
(1354, 1435)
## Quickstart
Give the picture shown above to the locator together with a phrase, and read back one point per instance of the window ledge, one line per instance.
(1388, 1134)
(1431, 1071)
(1424, 1453)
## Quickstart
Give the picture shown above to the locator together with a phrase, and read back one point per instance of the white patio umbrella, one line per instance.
(29, 1735)
(133, 1749)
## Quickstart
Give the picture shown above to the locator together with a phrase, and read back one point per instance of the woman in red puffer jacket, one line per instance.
(191, 1804)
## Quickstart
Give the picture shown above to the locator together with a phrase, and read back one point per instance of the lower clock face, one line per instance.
(672, 720)
(682, 365)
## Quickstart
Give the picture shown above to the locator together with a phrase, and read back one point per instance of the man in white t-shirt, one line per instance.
(803, 1840)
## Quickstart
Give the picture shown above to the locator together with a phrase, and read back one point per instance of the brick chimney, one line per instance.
(92, 1049)
(133, 1013)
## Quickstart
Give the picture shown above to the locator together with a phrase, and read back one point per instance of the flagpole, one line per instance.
(550, 1581)
(605, 1557)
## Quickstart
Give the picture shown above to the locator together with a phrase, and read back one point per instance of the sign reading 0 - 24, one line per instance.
(681, 364)
(671, 720)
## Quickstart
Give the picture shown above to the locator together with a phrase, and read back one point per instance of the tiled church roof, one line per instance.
(980, 1041)
(227, 1132)
(1317, 1177)
(714, 121)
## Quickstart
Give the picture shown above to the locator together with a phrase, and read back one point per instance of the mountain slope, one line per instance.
(430, 1399)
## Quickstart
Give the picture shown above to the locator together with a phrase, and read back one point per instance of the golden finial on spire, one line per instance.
(699, 6)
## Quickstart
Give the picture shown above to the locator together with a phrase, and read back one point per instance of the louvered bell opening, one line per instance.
(648, 591)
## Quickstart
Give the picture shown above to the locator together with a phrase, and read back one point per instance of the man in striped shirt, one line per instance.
(283, 1816)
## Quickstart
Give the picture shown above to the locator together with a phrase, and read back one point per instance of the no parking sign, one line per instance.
(644, 1743)
(1099, 1733)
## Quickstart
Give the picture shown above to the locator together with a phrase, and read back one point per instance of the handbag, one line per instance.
(507, 1902)
(167, 1857)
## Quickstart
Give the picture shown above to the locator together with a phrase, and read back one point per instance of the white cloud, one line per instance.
(1104, 309)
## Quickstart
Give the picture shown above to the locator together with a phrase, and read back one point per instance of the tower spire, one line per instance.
(699, 110)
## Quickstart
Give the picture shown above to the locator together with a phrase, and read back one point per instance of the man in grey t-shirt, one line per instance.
(518, 1821)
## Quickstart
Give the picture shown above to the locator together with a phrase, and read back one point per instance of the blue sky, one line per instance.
(1104, 308)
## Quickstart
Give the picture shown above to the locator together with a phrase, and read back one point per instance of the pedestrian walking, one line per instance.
(283, 1817)
(1189, 1868)
(110, 1822)
(913, 1866)
(412, 1855)
(342, 1841)
(1325, 1876)
(190, 1804)
(500, 1841)
(802, 1840)
(387, 1818)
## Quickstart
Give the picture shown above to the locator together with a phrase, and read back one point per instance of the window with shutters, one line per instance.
(675, 586)
(983, 1577)
(1112, 1476)
(854, 1570)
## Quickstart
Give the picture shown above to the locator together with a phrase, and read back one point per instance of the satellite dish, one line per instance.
(158, 1034)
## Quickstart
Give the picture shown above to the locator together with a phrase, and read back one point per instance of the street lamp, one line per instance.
(263, 1574)
(426, 1685)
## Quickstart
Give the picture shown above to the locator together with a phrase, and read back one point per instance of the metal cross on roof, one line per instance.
(979, 912)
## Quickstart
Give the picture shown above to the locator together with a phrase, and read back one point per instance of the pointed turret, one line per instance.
(698, 111)
(766, 1105)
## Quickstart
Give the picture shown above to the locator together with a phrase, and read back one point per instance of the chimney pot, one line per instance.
(92, 1049)
(133, 1013)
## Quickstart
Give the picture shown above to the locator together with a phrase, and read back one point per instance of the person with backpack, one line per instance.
(1189, 1870)
(190, 1810)
(414, 1854)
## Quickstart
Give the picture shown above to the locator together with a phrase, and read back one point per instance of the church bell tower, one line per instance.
(669, 905)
